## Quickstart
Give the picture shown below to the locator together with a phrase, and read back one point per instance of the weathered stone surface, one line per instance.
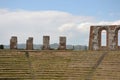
(62, 43)
(112, 37)
(13, 42)
(46, 43)
(29, 43)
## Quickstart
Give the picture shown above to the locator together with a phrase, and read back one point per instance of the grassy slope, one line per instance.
(59, 65)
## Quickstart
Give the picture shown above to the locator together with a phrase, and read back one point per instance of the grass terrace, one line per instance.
(59, 65)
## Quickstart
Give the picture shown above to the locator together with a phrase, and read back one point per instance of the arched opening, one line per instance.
(118, 37)
(103, 38)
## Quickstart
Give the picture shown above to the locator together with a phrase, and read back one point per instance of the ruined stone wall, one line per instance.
(13, 42)
(29, 43)
(62, 43)
(112, 37)
(46, 43)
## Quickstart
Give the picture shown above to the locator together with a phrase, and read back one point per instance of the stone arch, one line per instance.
(99, 38)
(111, 37)
(116, 37)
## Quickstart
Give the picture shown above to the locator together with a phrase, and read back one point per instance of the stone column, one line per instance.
(62, 43)
(29, 43)
(1, 46)
(13, 42)
(46, 43)
(112, 41)
(91, 37)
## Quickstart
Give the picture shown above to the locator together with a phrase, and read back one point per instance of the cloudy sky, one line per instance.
(70, 18)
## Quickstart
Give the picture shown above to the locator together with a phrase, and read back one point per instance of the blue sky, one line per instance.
(67, 17)
(102, 9)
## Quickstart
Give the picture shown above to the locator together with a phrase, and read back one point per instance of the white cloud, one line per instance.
(24, 24)
(67, 26)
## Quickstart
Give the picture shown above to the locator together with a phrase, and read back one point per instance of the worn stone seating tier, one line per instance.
(59, 65)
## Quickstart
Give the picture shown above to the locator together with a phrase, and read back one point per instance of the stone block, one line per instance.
(13, 42)
(29, 43)
(62, 43)
(46, 43)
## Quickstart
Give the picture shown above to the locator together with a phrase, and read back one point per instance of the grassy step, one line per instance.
(14, 70)
(14, 67)
(7, 74)
(14, 78)
(57, 73)
(13, 60)
(16, 64)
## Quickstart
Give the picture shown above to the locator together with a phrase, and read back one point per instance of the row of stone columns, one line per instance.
(46, 43)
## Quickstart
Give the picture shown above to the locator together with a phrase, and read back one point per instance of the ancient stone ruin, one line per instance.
(111, 37)
(29, 43)
(13, 42)
(46, 43)
(62, 43)
(1, 46)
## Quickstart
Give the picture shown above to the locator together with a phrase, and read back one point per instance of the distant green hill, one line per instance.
(52, 46)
